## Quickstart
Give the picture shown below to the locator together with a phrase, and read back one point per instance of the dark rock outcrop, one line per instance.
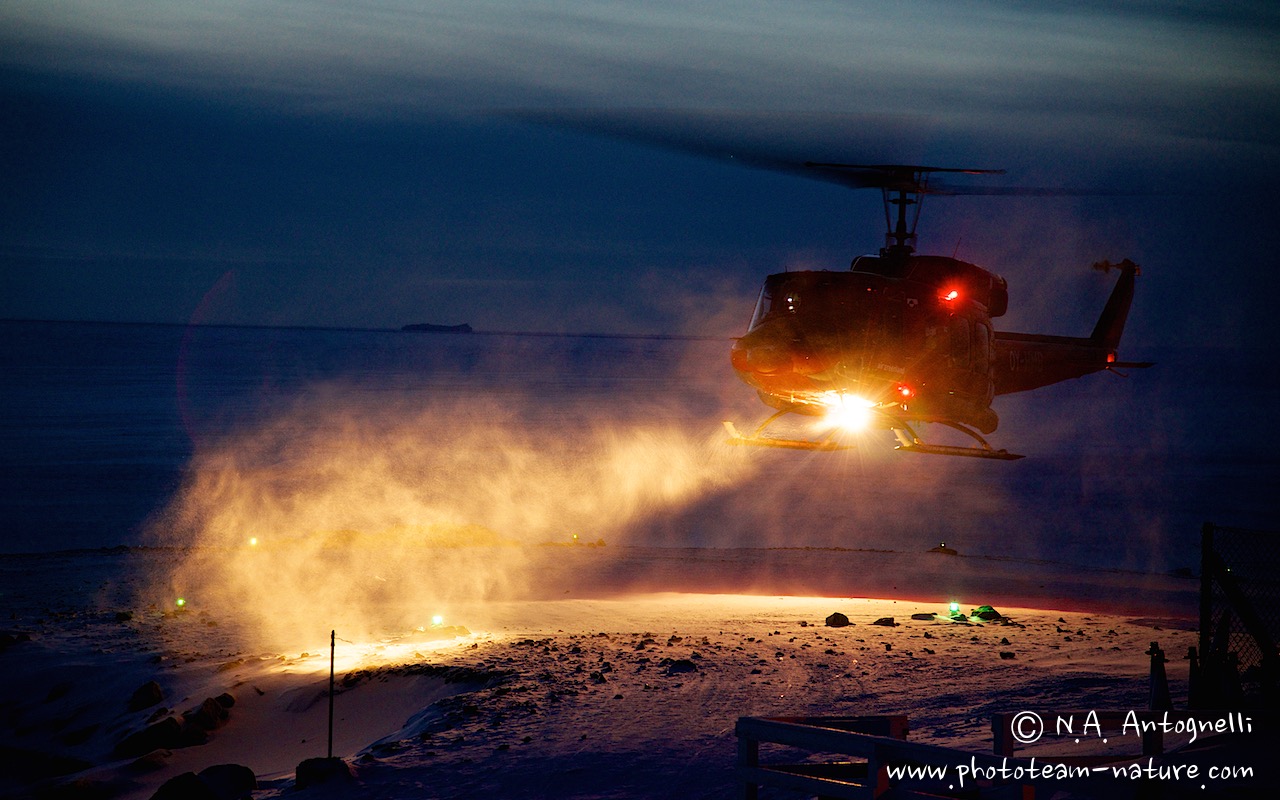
(163, 735)
(230, 781)
(145, 696)
(210, 716)
(186, 786)
(680, 666)
(219, 782)
(315, 771)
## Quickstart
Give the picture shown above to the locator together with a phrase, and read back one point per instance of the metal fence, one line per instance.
(1238, 665)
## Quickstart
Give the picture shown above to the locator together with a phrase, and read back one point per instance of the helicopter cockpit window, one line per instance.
(773, 302)
(762, 308)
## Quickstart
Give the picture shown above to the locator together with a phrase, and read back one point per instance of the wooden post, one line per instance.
(1160, 699)
(877, 772)
(1205, 691)
(332, 640)
(748, 760)
(1002, 734)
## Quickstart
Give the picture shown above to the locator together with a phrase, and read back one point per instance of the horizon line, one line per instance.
(358, 329)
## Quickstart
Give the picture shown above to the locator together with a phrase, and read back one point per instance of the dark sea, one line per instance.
(101, 420)
(100, 424)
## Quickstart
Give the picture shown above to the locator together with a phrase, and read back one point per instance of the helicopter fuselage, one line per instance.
(908, 336)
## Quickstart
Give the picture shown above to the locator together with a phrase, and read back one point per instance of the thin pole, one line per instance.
(332, 639)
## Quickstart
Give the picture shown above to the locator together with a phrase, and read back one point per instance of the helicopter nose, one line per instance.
(761, 358)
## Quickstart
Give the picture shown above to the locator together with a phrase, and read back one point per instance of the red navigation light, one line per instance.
(951, 295)
(1111, 358)
(904, 391)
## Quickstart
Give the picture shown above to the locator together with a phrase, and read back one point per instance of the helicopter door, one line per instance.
(980, 348)
(981, 351)
(971, 353)
(961, 334)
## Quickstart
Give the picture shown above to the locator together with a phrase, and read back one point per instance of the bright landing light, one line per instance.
(848, 412)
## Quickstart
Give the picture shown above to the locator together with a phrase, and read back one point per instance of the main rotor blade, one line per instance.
(778, 142)
(917, 180)
(897, 177)
(809, 145)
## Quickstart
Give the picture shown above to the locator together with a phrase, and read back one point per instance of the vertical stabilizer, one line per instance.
(1111, 324)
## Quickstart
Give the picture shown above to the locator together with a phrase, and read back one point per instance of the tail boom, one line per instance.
(1025, 361)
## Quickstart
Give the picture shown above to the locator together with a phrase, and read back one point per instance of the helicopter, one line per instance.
(901, 338)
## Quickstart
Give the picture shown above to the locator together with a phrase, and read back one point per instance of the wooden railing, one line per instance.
(877, 742)
(876, 755)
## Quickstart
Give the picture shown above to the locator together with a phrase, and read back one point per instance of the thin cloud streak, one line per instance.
(373, 58)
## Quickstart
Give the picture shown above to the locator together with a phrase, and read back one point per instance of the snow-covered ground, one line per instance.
(620, 674)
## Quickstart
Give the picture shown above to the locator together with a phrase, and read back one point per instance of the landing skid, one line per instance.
(912, 443)
(756, 440)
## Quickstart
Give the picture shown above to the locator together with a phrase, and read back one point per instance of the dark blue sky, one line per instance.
(326, 163)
